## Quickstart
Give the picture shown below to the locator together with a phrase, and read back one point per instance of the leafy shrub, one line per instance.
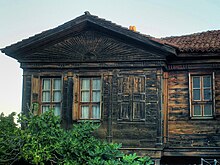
(43, 141)
(10, 139)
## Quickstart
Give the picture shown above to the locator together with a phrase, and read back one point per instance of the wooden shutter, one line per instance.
(67, 101)
(131, 97)
(26, 95)
(35, 94)
(75, 114)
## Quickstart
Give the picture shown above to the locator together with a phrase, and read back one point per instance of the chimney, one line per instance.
(133, 28)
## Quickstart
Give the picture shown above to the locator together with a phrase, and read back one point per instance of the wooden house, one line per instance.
(158, 97)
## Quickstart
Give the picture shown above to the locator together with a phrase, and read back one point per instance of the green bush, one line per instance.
(10, 139)
(43, 141)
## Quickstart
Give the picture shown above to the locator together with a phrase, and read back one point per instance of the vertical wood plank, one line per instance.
(75, 114)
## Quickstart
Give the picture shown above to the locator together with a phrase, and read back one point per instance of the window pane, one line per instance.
(197, 110)
(46, 84)
(57, 84)
(96, 84)
(96, 96)
(196, 94)
(56, 110)
(45, 108)
(96, 112)
(208, 110)
(85, 84)
(57, 96)
(207, 94)
(85, 112)
(196, 82)
(207, 81)
(46, 97)
(85, 96)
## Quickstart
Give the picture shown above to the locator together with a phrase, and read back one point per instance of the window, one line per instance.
(51, 95)
(131, 97)
(201, 96)
(90, 98)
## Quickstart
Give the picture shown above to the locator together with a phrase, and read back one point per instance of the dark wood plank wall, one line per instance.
(144, 133)
(178, 131)
(138, 133)
(217, 95)
(183, 131)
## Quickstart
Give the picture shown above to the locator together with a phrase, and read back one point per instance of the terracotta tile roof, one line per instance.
(199, 42)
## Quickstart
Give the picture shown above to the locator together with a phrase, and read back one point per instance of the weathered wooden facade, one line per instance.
(158, 97)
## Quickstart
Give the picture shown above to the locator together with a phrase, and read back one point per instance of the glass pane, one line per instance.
(46, 97)
(57, 84)
(85, 84)
(196, 82)
(56, 110)
(207, 94)
(207, 81)
(57, 96)
(96, 84)
(197, 110)
(124, 111)
(96, 112)
(85, 112)
(208, 110)
(46, 84)
(85, 96)
(96, 96)
(196, 94)
(45, 108)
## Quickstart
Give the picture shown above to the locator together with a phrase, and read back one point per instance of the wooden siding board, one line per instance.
(217, 94)
(69, 102)
(183, 131)
(26, 94)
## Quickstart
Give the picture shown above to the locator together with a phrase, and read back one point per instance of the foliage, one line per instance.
(10, 139)
(44, 141)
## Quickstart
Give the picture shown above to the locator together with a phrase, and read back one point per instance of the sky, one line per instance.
(20, 19)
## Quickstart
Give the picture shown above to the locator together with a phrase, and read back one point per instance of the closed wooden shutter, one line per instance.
(35, 94)
(131, 97)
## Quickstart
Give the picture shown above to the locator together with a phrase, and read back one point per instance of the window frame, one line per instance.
(202, 101)
(51, 103)
(90, 103)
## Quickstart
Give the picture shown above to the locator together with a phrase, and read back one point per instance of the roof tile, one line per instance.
(208, 41)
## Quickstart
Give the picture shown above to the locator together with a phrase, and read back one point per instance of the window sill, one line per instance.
(121, 121)
(89, 120)
(202, 118)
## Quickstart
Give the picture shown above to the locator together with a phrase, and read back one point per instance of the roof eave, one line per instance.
(17, 48)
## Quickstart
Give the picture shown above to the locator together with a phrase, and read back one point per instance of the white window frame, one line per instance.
(51, 103)
(202, 102)
(90, 103)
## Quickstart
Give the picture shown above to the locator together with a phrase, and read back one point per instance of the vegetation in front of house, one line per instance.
(43, 141)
